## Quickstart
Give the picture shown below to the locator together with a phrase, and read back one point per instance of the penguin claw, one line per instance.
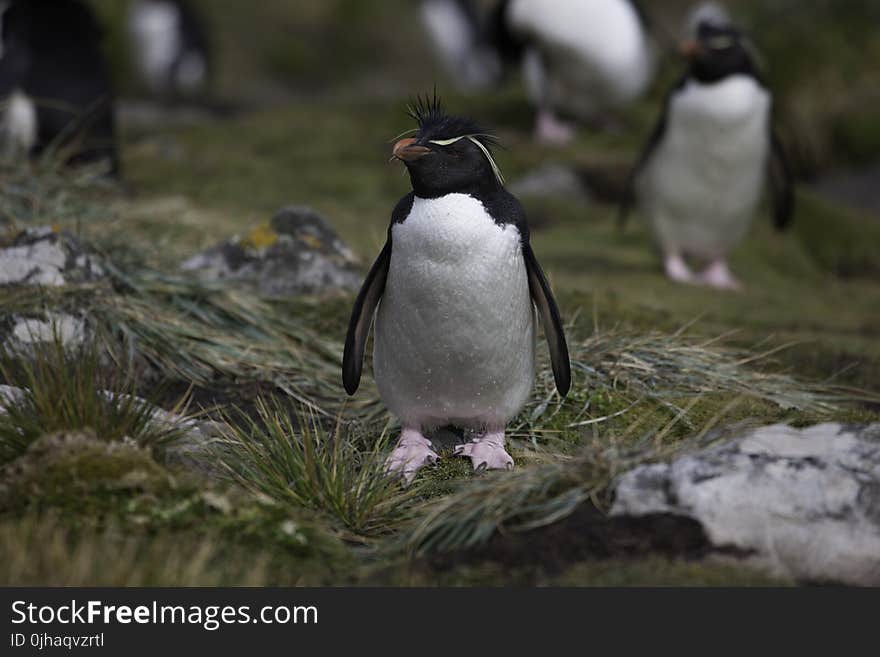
(413, 452)
(486, 453)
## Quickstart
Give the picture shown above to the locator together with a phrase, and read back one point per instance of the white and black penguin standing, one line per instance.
(455, 286)
(55, 88)
(170, 48)
(580, 58)
(702, 173)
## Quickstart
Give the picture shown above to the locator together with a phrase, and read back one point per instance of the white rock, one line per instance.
(44, 256)
(805, 503)
(10, 395)
(41, 263)
(69, 330)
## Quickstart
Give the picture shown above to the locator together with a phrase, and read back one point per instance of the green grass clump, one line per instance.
(69, 390)
(297, 461)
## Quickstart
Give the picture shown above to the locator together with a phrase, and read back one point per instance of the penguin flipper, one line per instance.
(781, 183)
(542, 297)
(361, 319)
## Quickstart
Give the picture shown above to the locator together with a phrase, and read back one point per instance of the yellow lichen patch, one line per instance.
(261, 237)
(312, 241)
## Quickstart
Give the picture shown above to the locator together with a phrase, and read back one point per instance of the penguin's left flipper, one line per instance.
(361, 319)
(542, 297)
(781, 184)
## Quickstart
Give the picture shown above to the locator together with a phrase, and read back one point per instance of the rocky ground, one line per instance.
(173, 411)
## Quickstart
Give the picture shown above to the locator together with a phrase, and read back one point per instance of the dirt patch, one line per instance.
(588, 534)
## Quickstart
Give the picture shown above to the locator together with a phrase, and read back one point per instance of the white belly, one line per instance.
(594, 53)
(155, 31)
(19, 125)
(455, 330)
(704, 181)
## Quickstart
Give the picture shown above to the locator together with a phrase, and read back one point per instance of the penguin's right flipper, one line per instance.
(542, 296)
(361, 319)
(781, 183)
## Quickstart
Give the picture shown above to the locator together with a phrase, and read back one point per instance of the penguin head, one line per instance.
(447, 154)
(717, 51)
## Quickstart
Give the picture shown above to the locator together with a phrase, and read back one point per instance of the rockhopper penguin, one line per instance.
(453, 293)
(700, 176)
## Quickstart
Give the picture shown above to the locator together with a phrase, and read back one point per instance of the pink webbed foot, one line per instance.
(677, 269)
(487, 452)
(412, 453)
(551, 130)
(718, 275)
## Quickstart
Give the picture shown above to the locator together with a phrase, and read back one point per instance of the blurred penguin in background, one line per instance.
(701, 174)
(55, 89)
(170, 48)
(462, 42)
(580, 58)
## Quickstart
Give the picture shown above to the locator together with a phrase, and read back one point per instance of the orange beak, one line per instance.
(406, 151)
(690, 48)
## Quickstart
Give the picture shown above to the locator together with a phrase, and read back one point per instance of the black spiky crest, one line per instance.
(436, 124)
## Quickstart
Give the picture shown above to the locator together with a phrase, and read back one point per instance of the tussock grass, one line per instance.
(185, 329)
(204, 333)
(67, 390)
(294, 459)
(666, 369)
(45, 190)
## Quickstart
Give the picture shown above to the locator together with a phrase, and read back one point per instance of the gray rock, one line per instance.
(803, 503)
(551, 180)
(44, 256)
(298, 253)
(10, 395)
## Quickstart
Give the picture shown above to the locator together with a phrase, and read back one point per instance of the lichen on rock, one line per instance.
(296, 253)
